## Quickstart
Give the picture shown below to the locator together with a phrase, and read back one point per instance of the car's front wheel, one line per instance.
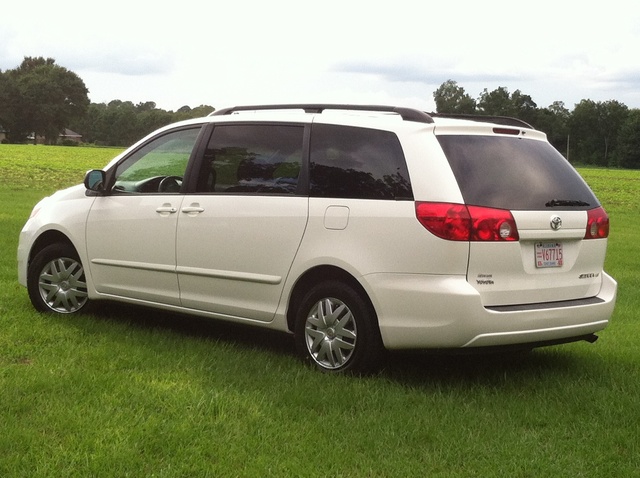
(56, 280)
(337, 329)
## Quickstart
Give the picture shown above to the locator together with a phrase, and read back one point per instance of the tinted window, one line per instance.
(513, 173)
(253, 159)
(159, 165)
(357, 163)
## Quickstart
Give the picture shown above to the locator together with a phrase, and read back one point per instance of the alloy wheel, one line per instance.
(330, 333)
(62, 285)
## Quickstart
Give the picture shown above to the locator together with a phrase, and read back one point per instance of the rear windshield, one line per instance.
(514, 173)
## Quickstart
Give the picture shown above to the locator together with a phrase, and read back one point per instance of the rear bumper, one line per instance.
(430, 312)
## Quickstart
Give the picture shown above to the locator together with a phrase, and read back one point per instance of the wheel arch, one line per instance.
(316, 275)
(47, 238)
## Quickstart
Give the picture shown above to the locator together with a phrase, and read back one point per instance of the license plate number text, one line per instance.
(548, 254)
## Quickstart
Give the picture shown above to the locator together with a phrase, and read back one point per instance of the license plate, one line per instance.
(548, 254)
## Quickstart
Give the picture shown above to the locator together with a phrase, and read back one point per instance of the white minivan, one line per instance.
(356, 228)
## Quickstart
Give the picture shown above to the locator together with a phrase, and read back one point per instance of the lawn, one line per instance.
(128, 392)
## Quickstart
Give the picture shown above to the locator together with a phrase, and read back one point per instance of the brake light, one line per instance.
(597, 224)
(514, 132)
(457, 222)
(448, 221)
(492, 224)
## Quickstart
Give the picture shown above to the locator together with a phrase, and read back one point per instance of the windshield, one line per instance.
(515, 173)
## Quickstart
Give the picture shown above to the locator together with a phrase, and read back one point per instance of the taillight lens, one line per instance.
(492, 224)
(448, 221)
(597, 224)
(457, 222)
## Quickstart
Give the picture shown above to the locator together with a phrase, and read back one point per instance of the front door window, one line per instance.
(159, 166)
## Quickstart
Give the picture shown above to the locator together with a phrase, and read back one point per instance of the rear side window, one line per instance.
(362, 163)
(263, 159)
(514, 173)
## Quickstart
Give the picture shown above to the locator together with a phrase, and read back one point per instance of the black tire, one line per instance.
(336, 329)
(56, 281)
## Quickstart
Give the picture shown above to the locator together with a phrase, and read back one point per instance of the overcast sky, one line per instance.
(223, 53)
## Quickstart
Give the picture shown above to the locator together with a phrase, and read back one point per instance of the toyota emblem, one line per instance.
(556, 223)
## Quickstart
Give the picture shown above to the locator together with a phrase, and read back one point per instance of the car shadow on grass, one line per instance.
(495, 369)
(192, 326)
(407, 368)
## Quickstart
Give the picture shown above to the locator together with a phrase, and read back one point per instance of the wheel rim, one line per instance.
(62, 285)
(330, 333)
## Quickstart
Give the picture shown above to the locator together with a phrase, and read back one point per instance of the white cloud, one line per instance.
(251, 51)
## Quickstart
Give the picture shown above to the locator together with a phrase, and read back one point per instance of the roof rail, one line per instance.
(407, 114)
(504, 120)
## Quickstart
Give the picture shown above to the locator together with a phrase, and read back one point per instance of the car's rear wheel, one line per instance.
(337, 329)
(56, 280)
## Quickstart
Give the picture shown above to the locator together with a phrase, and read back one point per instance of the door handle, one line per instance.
(166, 209)
(193, 209)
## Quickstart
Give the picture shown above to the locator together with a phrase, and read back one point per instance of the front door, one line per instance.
(131, 231)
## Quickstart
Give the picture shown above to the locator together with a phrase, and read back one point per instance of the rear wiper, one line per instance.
(566, 202)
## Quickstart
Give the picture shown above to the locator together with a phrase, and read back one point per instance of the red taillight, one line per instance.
(448, 221)
(457, 222)
(597, 224)
(492, 224)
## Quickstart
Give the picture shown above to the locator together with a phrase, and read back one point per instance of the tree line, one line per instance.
(603, 133)
(121, 123)
(39, 99)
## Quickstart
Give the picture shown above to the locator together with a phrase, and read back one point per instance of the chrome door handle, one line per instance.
(166, 209)
(193, 209)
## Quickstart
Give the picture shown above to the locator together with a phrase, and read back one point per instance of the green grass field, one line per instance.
(133, 393)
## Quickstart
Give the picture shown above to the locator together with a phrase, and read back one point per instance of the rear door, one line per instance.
(239, 233)
(518, 170)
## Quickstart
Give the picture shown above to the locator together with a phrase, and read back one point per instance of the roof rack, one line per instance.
(407, 114)
(503, 120)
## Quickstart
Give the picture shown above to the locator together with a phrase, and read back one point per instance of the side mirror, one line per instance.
(94, 180)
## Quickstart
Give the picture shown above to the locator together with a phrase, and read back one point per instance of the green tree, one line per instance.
(121, 123)
(524, 107)
(118, 125)
(451, 98)
(629, 141)
(150, 119)
(186, 112)
(584, 134)
(500, 102)
(89, 124)
(11, 114)
(202, 110)
(40, 97)
(612, 115)
(496, 102)
(554, 121)
(594, 128)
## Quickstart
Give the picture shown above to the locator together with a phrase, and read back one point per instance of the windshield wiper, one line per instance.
(566, 202)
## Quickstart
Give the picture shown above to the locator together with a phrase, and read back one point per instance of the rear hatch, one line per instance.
(558, 248)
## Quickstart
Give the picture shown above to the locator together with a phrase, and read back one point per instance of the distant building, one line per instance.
(66, 135)
(69, 135)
